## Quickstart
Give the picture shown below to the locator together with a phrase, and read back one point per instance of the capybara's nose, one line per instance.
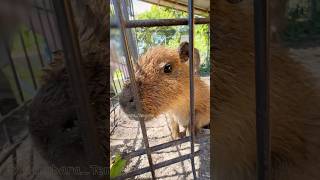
(126, 100)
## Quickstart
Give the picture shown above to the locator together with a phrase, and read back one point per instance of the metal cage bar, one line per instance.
(50, 24)
(36, 40)
(35, 85)
(128, 56)
(191, 76)
(261, 25)
(14, 70)
(160, 22)
(43, 31)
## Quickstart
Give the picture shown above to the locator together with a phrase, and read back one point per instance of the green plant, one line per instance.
(117, 166)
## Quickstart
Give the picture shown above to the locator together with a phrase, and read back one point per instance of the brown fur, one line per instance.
(161, 93)
(294, 104)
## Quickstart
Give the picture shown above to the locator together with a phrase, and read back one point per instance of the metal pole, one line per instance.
(49, 24)
(43, 32)
(261, 25)
(14, 71)
(127, 53)
(130, 33)
(191, 76)
(28, 61)
(36, 40)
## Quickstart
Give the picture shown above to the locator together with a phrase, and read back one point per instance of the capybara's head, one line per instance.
(161, 76)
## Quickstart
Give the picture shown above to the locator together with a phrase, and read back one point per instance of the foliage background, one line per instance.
(170, 36)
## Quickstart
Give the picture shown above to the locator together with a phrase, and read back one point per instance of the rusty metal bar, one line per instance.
(6, 116)
(36, 40)
(156, 166)
(131, 38)
(50, 26)
(161, 22)
(191, 76)
(14, 71)
(128, 56)
(261, 25)
(155, 148)
(43, 31)
(7, 153)
(28, 61)
(69, 37)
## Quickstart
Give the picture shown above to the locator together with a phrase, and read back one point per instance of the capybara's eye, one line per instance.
(167, 68)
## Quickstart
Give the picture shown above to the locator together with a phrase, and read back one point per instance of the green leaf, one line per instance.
(117, 166)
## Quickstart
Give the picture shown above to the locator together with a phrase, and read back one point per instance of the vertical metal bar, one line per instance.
(28, 61)
(50, 25)
(14, 71)
(70, 43)
(121, 22)
(122, 74)
(130, 36)
(43, 31)
(261, 25)
(191, 76)
(114, 85)
(54, 24)
(36, 41)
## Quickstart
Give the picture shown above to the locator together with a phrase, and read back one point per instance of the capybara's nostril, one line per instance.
(131, 99)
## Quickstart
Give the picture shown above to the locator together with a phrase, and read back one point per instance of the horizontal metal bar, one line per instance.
(177, 5)
(4, 117)
(8, 152)
(155, 148)
(160, 22)
(156, 166)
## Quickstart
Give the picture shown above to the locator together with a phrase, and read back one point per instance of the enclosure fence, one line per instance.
(42, 22)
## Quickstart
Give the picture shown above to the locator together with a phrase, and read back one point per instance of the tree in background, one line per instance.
(170, 36)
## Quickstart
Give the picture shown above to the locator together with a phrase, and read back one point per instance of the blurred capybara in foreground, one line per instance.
(162, 77)
(294, 103)
(53, 123)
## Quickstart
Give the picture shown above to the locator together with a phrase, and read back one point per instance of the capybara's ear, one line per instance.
(184, 51)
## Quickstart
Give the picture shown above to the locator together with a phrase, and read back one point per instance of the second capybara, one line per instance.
(294, 103)
(162, 77)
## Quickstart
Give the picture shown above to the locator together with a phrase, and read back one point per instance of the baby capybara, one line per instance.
(162, 77)
(294, 103)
